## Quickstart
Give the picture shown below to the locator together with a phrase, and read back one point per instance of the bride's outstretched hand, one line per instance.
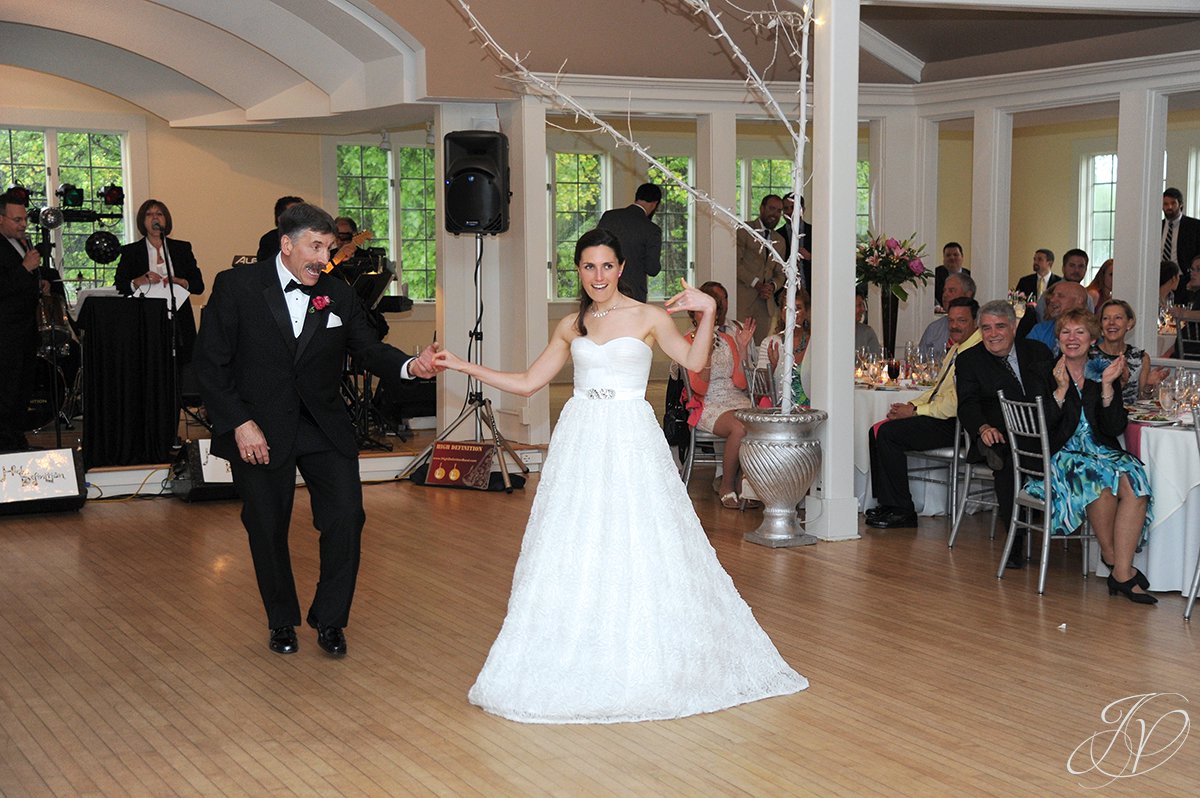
(691, 299)
(445, 359)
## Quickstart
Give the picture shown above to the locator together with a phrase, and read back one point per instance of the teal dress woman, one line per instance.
(1091, 475)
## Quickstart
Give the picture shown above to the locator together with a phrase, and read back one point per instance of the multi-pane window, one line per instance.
(1099, 207)
(89, 161)
(577, 189)
(768, 176)
(674, 217)
(44, 160)
(368, 194)
(417, 192)
(862, 200)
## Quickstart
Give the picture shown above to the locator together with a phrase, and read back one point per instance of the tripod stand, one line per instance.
(476, 405)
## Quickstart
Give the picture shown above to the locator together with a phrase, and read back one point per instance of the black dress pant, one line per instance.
(889, 465)
(18, 358)
(335, 493)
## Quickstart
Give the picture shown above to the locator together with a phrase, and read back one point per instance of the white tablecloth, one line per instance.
(869, 408)
(1173, 465)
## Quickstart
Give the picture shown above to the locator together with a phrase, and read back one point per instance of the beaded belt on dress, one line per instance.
(606, 393)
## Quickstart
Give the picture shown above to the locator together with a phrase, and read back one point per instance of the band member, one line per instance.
(19, 289)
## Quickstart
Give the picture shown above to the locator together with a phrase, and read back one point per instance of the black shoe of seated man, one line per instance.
(878, 512)
(1016, 557)
(331, 639)
(992, 457)
(283, 640)
(894, 519)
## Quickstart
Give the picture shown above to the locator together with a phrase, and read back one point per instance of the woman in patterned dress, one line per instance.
(1090, 474)
(1116, 322)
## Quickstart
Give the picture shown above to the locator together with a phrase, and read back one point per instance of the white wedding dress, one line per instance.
(619, 609)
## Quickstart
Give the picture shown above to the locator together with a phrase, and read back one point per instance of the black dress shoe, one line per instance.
(992, 457)
(893, 519)
(283, 640)
(1126, 589)
(331, 639)
(877, 511)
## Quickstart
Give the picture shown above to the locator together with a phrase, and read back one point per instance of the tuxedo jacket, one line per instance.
(1027, 285)
(18, 293)
(979, 375)
(1187, 248)
(641, 244)
(805, 243)
(1106, 422)
(250, 366)
(135, 261)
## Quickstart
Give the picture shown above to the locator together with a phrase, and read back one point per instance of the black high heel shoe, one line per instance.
(1126, 588)
(1138, 576)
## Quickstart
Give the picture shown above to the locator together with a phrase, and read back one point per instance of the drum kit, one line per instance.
(55, 389)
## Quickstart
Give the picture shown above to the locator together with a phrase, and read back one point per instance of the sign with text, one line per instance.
(38, 475)
(213, 468)
(461, 464)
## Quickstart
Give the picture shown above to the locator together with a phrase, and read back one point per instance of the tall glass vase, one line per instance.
(890, 312)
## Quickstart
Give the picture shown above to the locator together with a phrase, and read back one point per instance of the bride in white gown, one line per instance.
(619, 609)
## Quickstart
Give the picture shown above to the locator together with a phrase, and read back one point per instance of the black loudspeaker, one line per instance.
(476, 163)
(187, 477)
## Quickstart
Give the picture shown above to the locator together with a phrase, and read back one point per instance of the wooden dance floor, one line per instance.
(134, 662)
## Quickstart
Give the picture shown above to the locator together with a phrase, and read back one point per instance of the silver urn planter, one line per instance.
(781, 457)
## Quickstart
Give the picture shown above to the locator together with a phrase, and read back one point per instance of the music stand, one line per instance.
(370, 288)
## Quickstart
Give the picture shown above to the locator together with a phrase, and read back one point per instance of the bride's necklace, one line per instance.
(599, 314)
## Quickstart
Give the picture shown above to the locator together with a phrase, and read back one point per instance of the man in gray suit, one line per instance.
(641, 239)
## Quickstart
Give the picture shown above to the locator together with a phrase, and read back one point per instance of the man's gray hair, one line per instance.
(999, 307)
(966, 282)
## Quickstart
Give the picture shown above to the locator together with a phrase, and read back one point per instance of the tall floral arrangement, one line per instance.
(891, 264)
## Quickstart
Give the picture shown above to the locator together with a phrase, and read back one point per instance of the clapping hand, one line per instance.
(1114, 370)
(1061, 377)
(745, 335)
(773, 353)
(691, 299)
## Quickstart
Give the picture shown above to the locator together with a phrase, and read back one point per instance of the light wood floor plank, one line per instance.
(136, 664)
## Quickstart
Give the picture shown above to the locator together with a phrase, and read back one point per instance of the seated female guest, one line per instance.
(770, 354)
(1168, 281)
(720, 388)
(144, 263)
(1099, 290)
(1139, 379)
(1089, 471)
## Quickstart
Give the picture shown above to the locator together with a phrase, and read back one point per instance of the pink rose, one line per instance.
(892, 244)
(320, 303)
(916, 266)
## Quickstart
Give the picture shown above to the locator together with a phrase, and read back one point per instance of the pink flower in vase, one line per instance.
(319, 303)
(916, 266)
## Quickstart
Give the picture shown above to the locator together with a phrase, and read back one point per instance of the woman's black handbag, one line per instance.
(675, 416)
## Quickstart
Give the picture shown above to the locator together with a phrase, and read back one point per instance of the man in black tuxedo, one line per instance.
(804, 250)
(641, 239)
(980, 372)
(19, 262)
(1033, 285)
(269, 360)
(1180, 240)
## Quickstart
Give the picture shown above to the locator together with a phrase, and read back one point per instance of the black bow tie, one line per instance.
(301, 287)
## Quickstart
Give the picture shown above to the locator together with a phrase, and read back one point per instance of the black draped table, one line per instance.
(130, 414)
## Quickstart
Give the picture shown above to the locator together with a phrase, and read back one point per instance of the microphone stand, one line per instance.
(56, 375)
(173, 308)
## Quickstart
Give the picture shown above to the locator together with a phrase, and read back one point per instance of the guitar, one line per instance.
(359, 238)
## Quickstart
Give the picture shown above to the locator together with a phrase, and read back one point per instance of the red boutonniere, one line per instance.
(319, 303)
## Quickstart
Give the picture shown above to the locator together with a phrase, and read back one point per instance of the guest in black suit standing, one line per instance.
(1180, 240)
(952, 263)
(19, 262)
(268, 244)
(144, 263)
(1021, 368)
(1034, 285)
(269, 362)
(641, 239)
(804, 250)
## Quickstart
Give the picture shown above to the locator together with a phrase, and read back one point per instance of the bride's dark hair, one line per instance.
(596, 238)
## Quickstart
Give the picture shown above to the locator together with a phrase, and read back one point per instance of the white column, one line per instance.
(906, 185)
(523, 298)
(716, 149)
(1141, 142)
(990, 196)
(456, 274)
(832, 505)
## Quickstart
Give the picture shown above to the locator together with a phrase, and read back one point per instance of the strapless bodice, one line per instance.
(616, 369)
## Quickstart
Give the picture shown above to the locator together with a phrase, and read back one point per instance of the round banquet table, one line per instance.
(871, 406)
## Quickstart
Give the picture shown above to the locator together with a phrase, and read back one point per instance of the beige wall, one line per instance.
(955, 169)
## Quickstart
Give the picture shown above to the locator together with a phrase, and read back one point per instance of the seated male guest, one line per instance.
(864, 336)
(268, 244)
(1021, 369)
(926, 422)
(936, 337)
(144, 263)
(1060, 297)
